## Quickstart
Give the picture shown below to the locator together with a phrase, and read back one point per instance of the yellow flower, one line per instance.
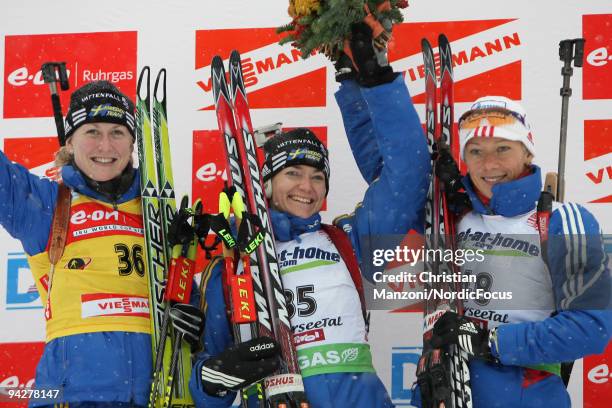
(304, 7)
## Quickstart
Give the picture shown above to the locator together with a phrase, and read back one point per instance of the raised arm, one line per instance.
(28, 203)
(394, 202)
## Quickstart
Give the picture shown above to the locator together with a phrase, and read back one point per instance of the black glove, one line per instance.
(448, 172)
(240, 366)
(188, 320)
(345, 68)
(179, 230)
(452, 328)
(371, 63)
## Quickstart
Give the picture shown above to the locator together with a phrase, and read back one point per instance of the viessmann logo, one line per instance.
(85, 54)
(487, 59)
(597, 161)
(275, 76)
(486, 56)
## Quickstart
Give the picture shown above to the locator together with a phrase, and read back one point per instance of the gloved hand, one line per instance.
(369, 59)
(452, 328)
(240, 365)
(448, 173)
(345, 68)
(188, 320)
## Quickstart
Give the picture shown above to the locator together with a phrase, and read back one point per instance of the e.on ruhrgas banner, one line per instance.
(498, 48)
(87, 59)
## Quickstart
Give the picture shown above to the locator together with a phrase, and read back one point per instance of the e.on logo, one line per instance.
(597, 71)
(85, 54)
(597, 379)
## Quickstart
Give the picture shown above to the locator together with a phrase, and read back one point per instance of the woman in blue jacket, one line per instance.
(559, 305)
(325, 309)
(98, 343)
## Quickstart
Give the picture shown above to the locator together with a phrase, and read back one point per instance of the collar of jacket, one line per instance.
(509, 199)
(289, 227)
(74, 179)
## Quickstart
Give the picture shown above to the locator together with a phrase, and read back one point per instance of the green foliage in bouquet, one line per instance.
(323, 25)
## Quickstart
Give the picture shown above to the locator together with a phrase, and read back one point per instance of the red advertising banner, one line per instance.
(87, 57)
(274, 80)
(597, 379)
(597, 72)
(261, 56)
(598, 143)
(18, 365)
(476, 44)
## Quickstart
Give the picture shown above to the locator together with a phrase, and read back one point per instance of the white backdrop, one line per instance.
(166, 37)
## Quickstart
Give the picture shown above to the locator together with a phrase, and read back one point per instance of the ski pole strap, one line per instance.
(220, 226)
(178, 288)
(250, 233)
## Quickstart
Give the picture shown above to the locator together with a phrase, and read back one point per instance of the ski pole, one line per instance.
(180, 235)
(187, 315)
(56, 72)
(178, 287)
(569, 51)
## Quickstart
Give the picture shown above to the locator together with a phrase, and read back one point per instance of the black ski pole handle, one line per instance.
(56, 72)
(572, 50)
(578, 51)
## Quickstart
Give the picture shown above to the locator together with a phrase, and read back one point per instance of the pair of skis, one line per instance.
(169, 276)
(284, 389)
(443, 375)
